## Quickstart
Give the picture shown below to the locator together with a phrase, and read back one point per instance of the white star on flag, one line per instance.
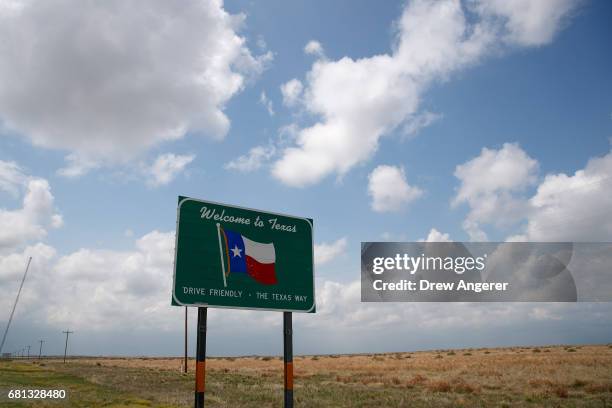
(236, 251)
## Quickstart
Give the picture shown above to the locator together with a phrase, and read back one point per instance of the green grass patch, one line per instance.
(79, 391)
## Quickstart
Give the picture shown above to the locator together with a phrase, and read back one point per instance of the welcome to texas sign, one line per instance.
(227, 256)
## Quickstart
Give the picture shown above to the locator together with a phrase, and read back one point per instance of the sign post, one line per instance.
(201, 358)
(234, 257)
(185, 361)
(288, 358)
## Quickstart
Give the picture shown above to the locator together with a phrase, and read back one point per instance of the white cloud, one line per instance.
(100, 290)
(489, 185)
(292, 91)
(31, 221)
(31, 307)
(287, 134)
(78, 165)
(436, 236)
(564, 207)
(109, 80)
(166, 167)
(339, 307)
(389, 189)
(104, 292)
(267, 103)
(420, 121)
(358, 101)
(12, 265)
(261, 43)
(393, 237)
(527, 22)
(314, 48)
(574, 207)
(253, 160)
(103, 289)
(326, 252)
(506, 169)
(12, 177)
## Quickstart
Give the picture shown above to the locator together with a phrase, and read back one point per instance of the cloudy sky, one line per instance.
(481, 120)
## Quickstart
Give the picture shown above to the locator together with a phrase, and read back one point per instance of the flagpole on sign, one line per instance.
(221, 254)
(288, 357)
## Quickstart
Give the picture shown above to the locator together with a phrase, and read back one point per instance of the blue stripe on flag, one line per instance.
(236, 252)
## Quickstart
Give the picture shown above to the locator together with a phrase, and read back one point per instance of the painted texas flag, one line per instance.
(254, 258)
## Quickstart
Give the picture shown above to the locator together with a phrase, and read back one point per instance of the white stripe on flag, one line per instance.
(262, 253)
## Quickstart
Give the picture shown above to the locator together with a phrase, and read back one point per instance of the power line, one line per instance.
(15, 304)
(40, 350)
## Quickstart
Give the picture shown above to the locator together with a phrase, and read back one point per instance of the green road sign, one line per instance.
(235, 257)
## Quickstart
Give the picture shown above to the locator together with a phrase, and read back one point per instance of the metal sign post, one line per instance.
(185, 367)
(288, 358)
(200, 374)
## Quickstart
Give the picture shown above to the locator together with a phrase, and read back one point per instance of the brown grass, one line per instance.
(561, 391)
(513, 377)
(439, 386)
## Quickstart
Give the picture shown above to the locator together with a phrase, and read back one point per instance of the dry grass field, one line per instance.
(555, 376)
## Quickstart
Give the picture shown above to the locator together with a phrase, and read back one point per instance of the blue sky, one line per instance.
(537, 97)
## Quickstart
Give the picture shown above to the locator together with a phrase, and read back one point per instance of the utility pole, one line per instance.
(15, 304)
(67, 332)
(40, 350)
(28, 351)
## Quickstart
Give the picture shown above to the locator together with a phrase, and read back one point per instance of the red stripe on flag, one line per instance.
(261, 272)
